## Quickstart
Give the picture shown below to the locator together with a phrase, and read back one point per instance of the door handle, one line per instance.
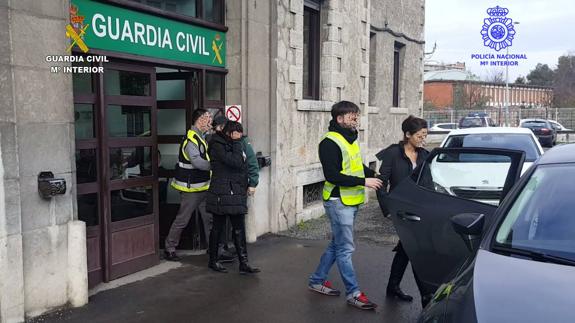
(408, 216)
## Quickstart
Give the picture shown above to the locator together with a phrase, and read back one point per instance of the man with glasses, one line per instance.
(192, 179)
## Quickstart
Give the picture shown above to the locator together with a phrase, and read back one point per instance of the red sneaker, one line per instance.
(326, 288)
(362, 302)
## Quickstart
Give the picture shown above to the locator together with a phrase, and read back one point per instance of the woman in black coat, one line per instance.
(398, 162)
(227, 195)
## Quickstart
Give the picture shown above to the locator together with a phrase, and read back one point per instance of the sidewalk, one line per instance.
(193, 293)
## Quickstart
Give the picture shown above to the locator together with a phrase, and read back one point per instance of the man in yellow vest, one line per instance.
(343, 192)
(192, 179)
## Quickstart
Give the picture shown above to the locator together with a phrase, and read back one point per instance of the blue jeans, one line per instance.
(340, 248)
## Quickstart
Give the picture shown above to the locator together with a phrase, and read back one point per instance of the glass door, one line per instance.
(130, 190)
(177, 96)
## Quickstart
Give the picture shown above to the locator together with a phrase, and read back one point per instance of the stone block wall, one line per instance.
(36, 120)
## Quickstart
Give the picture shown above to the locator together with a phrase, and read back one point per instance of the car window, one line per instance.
(472, 122)
(465, 175)
(523, 142)
(541, 218)
(555, 125)
(539, 124)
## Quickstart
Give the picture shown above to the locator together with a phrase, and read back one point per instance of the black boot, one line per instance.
(213, 263)
(395, 291)
(242, 251)
(398, 267)
(225, 256)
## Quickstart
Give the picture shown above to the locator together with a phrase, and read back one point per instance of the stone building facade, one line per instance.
(369, 52)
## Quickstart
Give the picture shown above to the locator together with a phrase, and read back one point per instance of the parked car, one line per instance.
(482, 177)
(444, 126)
(558, 126)
(482, 263)
(543, 129)
(476, 120)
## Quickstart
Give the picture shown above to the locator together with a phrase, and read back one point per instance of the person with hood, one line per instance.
(398, 162)
(227, 195)
(343, 192)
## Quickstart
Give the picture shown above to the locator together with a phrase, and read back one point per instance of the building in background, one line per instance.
(459, 89)
(113, 137)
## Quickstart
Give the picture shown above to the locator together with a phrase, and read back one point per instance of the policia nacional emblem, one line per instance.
(497, 31)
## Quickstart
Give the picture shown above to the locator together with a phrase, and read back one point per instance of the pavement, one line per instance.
(193, 293)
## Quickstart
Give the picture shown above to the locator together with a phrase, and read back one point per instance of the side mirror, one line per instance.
(470, 227)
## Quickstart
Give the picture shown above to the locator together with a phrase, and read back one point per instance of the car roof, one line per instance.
(489, 130)
(558, 154)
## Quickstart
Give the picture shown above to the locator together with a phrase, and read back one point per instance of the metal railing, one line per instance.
(565, 116)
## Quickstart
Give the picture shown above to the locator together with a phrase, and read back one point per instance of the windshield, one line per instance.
(523, 142)
(472, 122)
(536, 124)
(542, 219)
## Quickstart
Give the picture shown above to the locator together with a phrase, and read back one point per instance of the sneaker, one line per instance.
(362, 302)
(326, 288)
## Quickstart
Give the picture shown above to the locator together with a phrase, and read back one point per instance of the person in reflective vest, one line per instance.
(192, 179)
(345, 180)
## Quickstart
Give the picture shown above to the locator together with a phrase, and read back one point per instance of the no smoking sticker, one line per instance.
(234, 112)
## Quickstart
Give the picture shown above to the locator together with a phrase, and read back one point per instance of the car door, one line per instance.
(421, 208)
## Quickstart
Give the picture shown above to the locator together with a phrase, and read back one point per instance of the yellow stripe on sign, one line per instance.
(71, 33)
(217, 51)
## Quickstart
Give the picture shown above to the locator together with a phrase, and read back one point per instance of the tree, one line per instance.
(469, 95)
(496, 77)
(564, 82)
(542, 75)
(520, 80)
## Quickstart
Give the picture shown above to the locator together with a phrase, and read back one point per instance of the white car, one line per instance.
(477, 176)
(444, 126)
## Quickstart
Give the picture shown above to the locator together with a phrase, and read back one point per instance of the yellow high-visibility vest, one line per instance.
(352, 165)
(188, 179)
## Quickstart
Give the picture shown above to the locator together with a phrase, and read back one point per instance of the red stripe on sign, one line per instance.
(234, 114)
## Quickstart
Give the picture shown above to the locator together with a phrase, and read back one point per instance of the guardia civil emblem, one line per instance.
(498, 31)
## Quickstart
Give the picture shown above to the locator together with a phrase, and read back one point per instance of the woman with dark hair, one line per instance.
(398, 161)
(227, 195)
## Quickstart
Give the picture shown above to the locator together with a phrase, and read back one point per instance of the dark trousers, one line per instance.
(398, 266)
(238, 235)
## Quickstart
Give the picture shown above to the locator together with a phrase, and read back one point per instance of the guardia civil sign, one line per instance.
(95, 25)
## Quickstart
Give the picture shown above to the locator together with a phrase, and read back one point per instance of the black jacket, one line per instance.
(331, 159)
(227, 194)
(395, 167)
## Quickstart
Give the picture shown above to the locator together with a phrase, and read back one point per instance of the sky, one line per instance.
(546, 30)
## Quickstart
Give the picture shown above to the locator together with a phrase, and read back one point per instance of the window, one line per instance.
(523, 142)
(183, 7)
(541, 218)
(213, 11)
(210, 10)
(312, 193)
(311, 46)
(214, 86)
(475, 176)
(397, 49)
(372, 68)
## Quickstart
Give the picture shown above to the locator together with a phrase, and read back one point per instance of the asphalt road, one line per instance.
(193, 293)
